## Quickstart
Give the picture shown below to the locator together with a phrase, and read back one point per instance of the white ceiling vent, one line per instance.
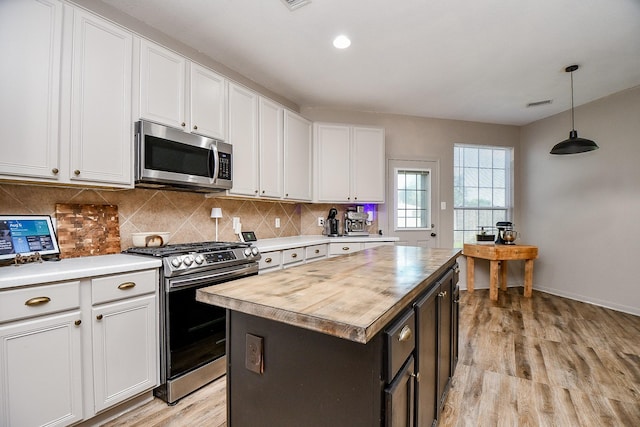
(294, 4)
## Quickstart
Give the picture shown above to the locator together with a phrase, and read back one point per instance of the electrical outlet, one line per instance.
(254, 354)
(277, 222)
(320, 221)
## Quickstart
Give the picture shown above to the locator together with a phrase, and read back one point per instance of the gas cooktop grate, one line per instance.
(184, 248)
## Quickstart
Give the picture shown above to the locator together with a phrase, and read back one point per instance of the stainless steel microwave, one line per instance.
(167, 158)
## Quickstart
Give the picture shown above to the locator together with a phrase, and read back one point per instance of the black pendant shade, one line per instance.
(574, 144)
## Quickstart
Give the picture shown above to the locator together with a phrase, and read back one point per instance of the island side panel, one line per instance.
(309, 378)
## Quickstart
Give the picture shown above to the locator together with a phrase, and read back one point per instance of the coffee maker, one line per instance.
(506, 234)
(333, 224)
(355, 222)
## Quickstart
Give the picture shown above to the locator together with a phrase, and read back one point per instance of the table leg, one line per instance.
(528, 278)
(493, 281)
(503, 275)
(470, 274)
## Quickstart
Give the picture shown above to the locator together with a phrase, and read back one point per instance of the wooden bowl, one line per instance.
(150, 239)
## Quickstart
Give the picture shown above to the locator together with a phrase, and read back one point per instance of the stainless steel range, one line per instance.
(193, 334)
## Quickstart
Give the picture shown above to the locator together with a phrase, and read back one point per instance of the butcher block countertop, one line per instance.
(351, 296)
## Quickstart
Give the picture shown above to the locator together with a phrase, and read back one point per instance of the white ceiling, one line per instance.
(477, 60)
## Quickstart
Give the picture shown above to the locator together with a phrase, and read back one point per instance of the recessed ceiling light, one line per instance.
(341, 42)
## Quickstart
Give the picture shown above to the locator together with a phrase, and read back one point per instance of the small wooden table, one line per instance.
(498, 255)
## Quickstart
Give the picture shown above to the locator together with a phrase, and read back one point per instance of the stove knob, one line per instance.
(199, 259)
(247, 251)
(255, 251)
(176, 262)
(188, 260)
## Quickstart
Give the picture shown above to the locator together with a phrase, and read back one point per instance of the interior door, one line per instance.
(412, 213)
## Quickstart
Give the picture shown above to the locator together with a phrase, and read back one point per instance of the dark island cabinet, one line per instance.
(301, 377)
(436, 345)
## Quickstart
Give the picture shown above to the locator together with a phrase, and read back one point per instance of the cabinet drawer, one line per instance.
(290, 256)
(315, 251)
(270, 260)
(400, 340)
(119, 286)
(344, 248)
(39, 300)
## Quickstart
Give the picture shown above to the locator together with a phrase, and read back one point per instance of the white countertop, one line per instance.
(281, 243)
(72, 269)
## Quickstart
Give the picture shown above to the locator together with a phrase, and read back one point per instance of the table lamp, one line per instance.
(216, 213)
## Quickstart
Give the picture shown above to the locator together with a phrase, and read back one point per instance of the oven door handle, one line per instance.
(186, 281)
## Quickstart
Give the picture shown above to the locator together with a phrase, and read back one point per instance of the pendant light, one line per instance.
(574, 144)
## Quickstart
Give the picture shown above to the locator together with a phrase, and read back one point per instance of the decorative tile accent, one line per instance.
(185, 215)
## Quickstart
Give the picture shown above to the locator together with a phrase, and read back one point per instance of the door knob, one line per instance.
(433, 234)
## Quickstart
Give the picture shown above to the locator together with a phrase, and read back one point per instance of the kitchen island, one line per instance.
(341, 341)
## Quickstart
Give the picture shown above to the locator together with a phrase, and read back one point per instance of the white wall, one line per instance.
(584, 209)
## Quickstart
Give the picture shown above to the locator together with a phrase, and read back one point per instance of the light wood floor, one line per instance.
(540, 361)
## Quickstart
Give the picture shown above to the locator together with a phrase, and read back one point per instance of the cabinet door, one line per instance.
(297, 157)
(208, 103)
(101, 123)
(162, 85)
(270, 137)
(41, 372)
(243, 135)
(124, 350)
(427, 357)
(399, 398)
(333, 163)
(368, 165)
(30, 47)
(444, 337)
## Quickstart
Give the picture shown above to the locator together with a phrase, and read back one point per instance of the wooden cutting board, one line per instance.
(87, 230)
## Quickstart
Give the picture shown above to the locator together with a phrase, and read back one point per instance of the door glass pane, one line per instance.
(413, 199)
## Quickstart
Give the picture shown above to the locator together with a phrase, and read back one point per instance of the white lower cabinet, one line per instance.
(41, 371)
(73, 349)
(336, 249)
(124, 348)
(292, 257)
(315, 253)
(270, 261)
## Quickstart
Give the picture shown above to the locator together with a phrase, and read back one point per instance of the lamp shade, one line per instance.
(216, 213)
(574, 145)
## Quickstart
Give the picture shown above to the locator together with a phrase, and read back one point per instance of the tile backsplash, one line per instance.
(185, 215)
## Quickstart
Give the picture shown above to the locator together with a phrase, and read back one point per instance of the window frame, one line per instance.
(509, 192)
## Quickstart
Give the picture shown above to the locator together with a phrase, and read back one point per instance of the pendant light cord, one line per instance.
(573, 126)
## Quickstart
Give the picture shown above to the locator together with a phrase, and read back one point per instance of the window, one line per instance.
(413, 199)
(482, 195)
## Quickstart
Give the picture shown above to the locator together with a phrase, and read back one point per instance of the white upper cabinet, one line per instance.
(208, 106)
(162, 85)
(30, 47)
(349, 163)
(297, 157)
(271, 145)
(243, 135)
(65, 110)
(101, 128)
(333, 163)
(179, 93)
(367, 164)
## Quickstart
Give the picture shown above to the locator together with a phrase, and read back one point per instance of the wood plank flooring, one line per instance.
(540, 361)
